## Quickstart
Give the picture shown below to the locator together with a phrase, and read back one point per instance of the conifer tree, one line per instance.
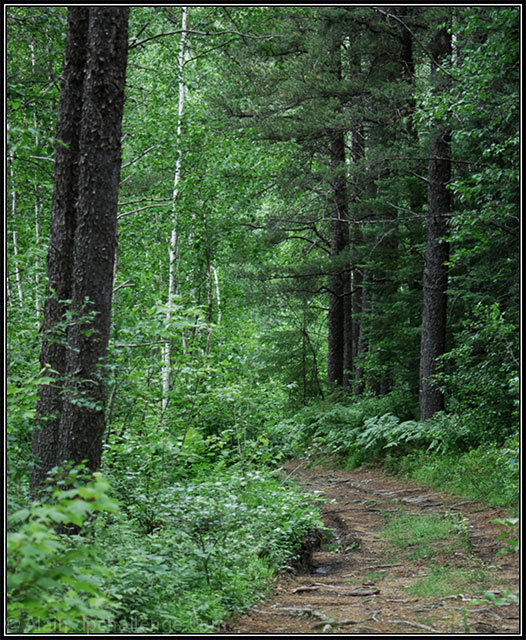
(434, 314)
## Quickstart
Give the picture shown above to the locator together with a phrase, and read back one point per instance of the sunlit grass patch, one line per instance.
(423, 535)
(443, 581)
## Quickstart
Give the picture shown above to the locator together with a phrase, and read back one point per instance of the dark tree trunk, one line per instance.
(83, 239)
(361, 343)
(434, 314)
(60, 254)
(356, 308)
(358, 152)
(82, 420)
(338, 287)
(347, 334)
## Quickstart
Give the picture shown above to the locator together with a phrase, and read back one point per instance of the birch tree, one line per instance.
(173, 251)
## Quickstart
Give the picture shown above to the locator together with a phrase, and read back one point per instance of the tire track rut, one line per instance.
(358, 583)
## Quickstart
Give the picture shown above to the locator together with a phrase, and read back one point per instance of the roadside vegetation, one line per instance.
(435, 453)
(263, 287)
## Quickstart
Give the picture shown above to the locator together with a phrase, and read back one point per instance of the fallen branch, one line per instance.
(285, 611)
(362, 591)
(336, 623)
(486, 610)
(341, 623)
(414, 624)
(303, 589)
(368, 591)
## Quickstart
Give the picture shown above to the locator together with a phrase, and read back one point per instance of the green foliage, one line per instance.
(510, 535)
(215, 419)
(21, 396)
(357, 431)
(291, 352)
(479, 376)
(217, 544)
(505, 599)
(54, 581)
(337, 428)
(321, 428)
(489, 473)
(381, 432)
(201, 530)
(483, 103)
(436, 452)
(419, 533)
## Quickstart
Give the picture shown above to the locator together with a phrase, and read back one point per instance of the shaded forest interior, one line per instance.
(236, 236)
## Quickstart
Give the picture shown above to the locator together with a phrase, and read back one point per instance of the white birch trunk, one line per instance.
(18, 277)
(173, 251)
(38, 304)
(213, 283)
(218, 295)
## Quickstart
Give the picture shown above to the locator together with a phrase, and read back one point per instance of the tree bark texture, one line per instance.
(60, 252)
(338, 355)
(361, 340)
(356, 240)
(83, 238)
(338, 288)
(82, 420)
(347, 333)
(434, 314)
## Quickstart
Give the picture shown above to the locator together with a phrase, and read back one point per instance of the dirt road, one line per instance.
(361, 582)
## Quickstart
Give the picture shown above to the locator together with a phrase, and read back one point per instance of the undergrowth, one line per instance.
(217, 543)
(221, 540)
(487, 473)
(204, 523)
(441, 452)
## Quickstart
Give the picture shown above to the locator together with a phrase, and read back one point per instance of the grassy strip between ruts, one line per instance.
(441, 543)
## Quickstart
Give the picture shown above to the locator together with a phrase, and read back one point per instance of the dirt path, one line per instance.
(360, 583)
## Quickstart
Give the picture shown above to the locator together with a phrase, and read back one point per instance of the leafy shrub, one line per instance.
(510, 535)
(217, 544)
(211, 419)
(492, 473)
(54, 581)
(155, 578)
(375, 435)
(21, 398)
(438, 452)
(450, 433)
(325, 428)
(480, 377)
(355, 457)
(355, 431)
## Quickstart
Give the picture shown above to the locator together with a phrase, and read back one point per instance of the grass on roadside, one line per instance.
(444, 542)
(443, 581)
(424, 535)
(488, 473)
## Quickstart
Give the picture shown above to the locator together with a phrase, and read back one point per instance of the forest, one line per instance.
(238, 237)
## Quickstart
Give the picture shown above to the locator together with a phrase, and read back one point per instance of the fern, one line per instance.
(375, 436)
